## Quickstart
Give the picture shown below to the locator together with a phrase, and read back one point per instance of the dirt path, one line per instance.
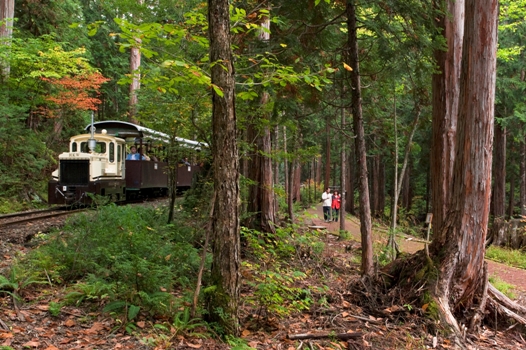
(410, 244)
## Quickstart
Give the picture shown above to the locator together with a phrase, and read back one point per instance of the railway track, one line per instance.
(57, 211)
(36, 215)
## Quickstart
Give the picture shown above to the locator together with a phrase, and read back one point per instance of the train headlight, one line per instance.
(64, 188)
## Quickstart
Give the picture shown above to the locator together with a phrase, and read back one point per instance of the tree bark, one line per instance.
(498, 203)
(135, 64)
(327, 181)
(349, 202)
(261, 198)
(222, 303)
(361, 155)
(511, 196)
(343, 171)
(461, 272)
(381, 187)
(498, 193)
(375, 168)
(7, 12)
(261, 192)
(522, 176)
(446, 91)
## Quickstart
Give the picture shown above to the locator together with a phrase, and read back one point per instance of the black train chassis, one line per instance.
(114, 189)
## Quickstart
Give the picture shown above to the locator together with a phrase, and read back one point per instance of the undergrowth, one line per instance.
(516, 258)
(503, 287)
(123, 256)
(127, 262)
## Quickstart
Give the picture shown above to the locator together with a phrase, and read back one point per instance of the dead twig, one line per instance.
(341, 336)
(4, 325)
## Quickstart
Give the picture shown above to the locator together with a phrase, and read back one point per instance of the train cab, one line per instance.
(93, 164)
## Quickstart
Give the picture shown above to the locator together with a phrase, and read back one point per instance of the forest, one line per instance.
(412, 109)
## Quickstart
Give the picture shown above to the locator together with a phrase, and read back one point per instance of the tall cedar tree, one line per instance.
(445, 107)
(223, 302)
(460, 289)
(261, 196)
(361, 155)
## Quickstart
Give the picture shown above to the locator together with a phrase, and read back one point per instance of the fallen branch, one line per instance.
(505, 301)
(341, 336)
(507, 312)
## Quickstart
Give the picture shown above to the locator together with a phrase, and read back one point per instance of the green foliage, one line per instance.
(505, 288)
(275, 293)
(238, 343)
(278, 290)
(516, 258)
(55, 308)
(183, 324)
(25, 158)
(120, 254)
(17, 281)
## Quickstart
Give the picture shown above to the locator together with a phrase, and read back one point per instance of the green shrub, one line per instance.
(120, 253)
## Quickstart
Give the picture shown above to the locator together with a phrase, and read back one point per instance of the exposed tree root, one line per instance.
(505, 306)
(407, 279)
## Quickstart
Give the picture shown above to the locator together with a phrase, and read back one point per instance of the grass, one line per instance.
(515, 258)
(503, 287)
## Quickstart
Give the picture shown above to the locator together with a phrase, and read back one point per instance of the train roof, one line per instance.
(129, 130)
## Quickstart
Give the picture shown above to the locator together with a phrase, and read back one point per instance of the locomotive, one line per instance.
(96, 164)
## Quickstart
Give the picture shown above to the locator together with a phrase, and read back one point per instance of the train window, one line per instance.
(112, 152)
(118, 153)
(74, 147)
(99, 148)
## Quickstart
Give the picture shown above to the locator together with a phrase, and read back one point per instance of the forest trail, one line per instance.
(411, 244)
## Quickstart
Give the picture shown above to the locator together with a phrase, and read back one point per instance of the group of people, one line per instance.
(138, 154)
(331, 203)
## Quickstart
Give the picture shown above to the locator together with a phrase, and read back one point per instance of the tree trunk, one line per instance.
(261, 198)
(361, 154)
(222, 303)
(399, 177)
(498, 193)
(7, 12)
(343, 170)
(462, 275)
(511, 200)
(498, 203)
(318, 170)
(327, 155)
(522, 177)
(381, 187)
(261, 193)
(405, 196)
(349, 202)
(135, 64)
(296, 185)
(445, 106)
(375, 167)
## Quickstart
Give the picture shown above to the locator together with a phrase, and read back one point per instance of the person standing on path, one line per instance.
(327, 204)
(336, 203)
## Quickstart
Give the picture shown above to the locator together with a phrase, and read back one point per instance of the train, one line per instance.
(96, 164)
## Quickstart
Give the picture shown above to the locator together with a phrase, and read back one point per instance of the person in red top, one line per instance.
(336, 203)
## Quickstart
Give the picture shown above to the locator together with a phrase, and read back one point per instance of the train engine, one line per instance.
(94, 164)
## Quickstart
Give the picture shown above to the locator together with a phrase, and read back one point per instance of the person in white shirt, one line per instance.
(327, 204)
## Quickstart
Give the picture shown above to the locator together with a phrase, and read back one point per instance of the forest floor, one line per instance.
(348, 318)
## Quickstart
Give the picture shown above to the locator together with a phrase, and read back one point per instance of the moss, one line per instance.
(430, 306)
